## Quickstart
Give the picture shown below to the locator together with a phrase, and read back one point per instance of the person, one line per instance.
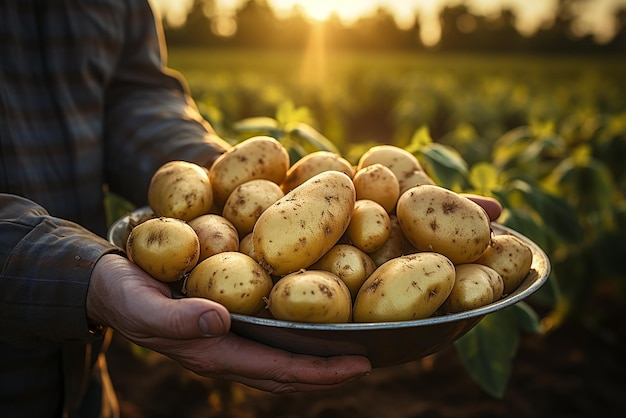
(88, 105)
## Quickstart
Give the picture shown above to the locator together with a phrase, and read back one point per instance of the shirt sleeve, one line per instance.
(45, 267)
(150, 117)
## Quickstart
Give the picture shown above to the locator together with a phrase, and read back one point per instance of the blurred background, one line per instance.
(521, 100)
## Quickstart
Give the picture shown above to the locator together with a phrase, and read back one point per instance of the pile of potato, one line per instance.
(323, 241)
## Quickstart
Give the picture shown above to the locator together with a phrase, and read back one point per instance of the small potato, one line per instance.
(350, 264)
(216, 235)
(180, 189)
(416, 178)
(437, 219)
(369, 226)
(259, 157)
(311, 296)
(402, 163)
(378, 183)
(246, 246)
(395, 246)
(315, 163)
(510, 257)
(165, 248)
(405, 288)
(232, 279)
(475, 286)
(302, 226)
(246, 203)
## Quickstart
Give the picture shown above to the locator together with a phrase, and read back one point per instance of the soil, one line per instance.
(575, 371)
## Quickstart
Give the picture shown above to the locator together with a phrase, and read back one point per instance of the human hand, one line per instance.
(195, 333)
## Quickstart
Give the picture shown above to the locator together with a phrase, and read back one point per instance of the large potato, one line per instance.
(402, 163)
(298, 229)
(437, 219)
(165, 248)
(395, 246)
(405, 288)
(312, 296)
(259, 157)
(233, 279)
(510, 257)
(352, 265)
(475, 285)
(180, 189)
(246, 203)
(216, 235)
(312, 164)
(369, 226)
(378, 183)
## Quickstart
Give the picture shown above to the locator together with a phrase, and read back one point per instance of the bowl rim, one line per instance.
(525, 289)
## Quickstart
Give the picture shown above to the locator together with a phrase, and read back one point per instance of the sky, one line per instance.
(594, 16)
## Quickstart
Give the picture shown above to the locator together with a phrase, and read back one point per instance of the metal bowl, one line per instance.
(384, 343)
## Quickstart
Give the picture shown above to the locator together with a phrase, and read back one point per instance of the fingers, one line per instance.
(268, 368)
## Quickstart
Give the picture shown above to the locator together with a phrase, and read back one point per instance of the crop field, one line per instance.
(546, 135)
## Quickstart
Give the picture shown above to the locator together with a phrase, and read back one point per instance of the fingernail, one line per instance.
(211, 324)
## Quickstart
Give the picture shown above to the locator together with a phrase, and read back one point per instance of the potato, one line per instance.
(405, 288)
(233, 279)
(350, 264)
(298, 229)
(378, 183)
(259, 157)
(312, 296)
(402, 163)
(369, 226)
(180, 189)
(216, 234)
(165, 248)
(510, 257)
(246, 203)
(416, 178)
(395, 246)
(246, 246)
(312, 164)
(491, 205)
(437, 219)
(475, 286)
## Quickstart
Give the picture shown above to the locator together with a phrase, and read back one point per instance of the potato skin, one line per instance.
(437, 219)
(312, 296)
(216, 234)
(165, 248)
(302, 226)
(475, 286)
(378, 183)
(180, 189)
(370, 226)
(352, 265)
(259, 157)
(246, 203)
(402, 163)
(395, 246)
(510, 257)
(405, 288)
(233, 279)
(313, 164)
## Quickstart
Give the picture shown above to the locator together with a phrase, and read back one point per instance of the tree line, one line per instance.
(258, 27)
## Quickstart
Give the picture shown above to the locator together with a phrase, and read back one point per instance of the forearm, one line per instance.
(45, 267)
(150, 117)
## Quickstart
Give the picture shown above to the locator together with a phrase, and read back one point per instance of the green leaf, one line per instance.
(446, 165)
(260, 125)
(487, 350)
(304, 134)
(484, 178)
(420, 140)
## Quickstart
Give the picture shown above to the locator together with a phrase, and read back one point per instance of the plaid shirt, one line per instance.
(84, 102)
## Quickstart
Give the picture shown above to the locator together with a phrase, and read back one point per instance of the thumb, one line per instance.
(191, 318)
